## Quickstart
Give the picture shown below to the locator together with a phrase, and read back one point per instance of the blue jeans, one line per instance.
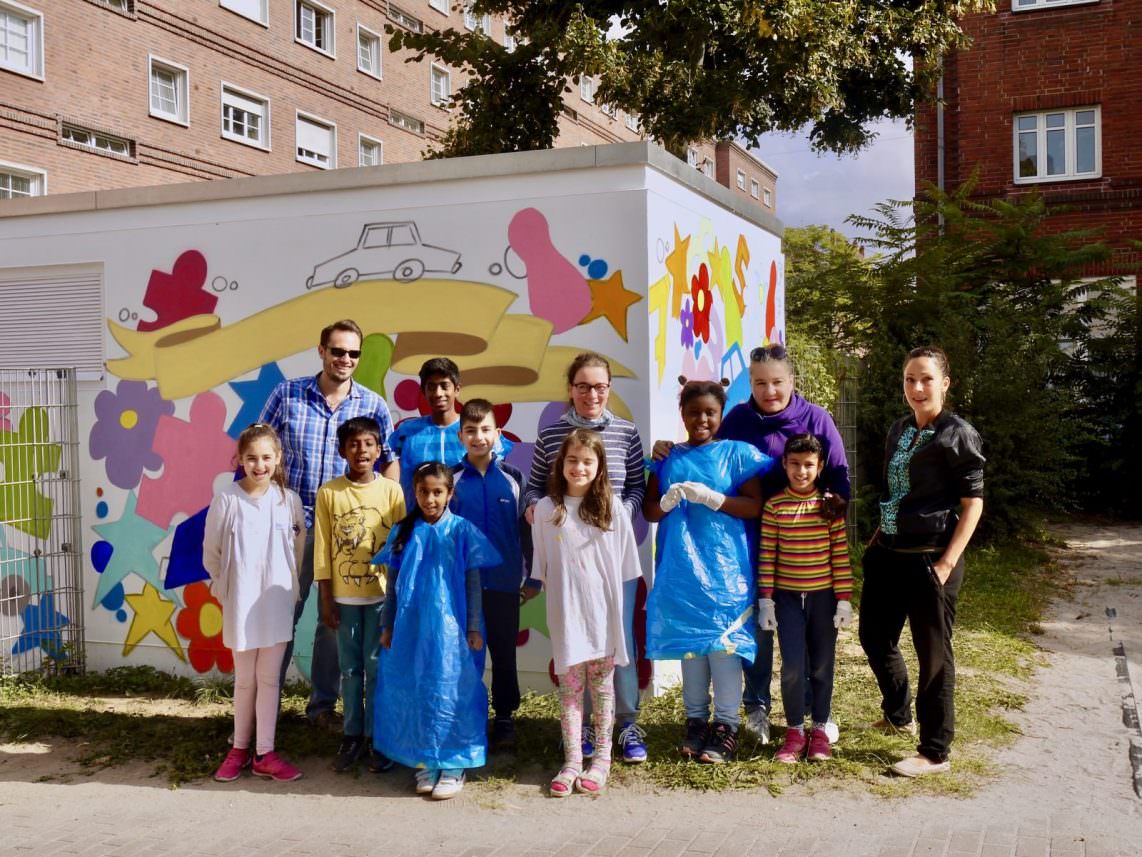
(626, 678)
(806, 633)
(759, 674)
(358, 640)
(726, 671)
(324, 675)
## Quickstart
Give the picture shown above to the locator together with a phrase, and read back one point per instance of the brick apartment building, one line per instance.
(1048, 98)
(120, 93)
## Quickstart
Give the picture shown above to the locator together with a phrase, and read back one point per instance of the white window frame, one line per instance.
(1069, 152)
(632, 122)
(330, 30)
(362, 141)
(38, 179)
(99, 142)
(181, 116)
(510, 42)
(587, 88)
(440, 6)
(692, 158)
(741, 180)
(376, 38)
(434, 70)
(301, 116)
(34, 68)
(767, 198)
(248, 95)
(754, 188)
(1037, 5)
(233, 6)
(400, 119)
(483, 24)
(707, 168)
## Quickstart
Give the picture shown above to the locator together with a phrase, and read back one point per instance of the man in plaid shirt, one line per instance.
(306, 412)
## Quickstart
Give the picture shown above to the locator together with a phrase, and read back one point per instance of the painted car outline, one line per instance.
(405, 261)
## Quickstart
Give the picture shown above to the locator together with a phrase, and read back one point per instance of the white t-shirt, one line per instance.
(583, 569)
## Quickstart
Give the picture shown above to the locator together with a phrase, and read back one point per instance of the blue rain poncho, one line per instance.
(704, 583)
(431, 705)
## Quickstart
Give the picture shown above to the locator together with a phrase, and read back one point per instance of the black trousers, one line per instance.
(501, 622)
(900, 587)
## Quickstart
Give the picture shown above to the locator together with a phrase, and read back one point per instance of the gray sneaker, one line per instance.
(757, 721)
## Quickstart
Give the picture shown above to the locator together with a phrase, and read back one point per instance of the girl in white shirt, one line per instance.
(584, 550)
(255, 535)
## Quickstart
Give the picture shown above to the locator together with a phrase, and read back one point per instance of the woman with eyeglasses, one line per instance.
(589, 388)
(774, 413)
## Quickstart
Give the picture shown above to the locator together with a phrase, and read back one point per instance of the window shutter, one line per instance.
(52, 318)
(316, 138)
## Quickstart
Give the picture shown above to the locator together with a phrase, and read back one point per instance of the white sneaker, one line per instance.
(425, 780)
(757, 721)
(919, 766)
(832, 730)
(449, 785)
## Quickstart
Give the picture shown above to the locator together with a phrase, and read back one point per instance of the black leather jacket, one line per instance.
(941, 472)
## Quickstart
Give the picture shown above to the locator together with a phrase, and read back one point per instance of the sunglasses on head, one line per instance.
(768, 352)
(351, 353)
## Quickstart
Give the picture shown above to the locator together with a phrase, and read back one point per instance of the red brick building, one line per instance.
(1048, 98)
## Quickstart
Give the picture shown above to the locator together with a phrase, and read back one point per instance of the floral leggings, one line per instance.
(599, 675)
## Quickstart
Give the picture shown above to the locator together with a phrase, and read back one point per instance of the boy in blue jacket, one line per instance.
(489, 493)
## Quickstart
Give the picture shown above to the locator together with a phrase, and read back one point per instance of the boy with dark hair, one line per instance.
(489, 492)
(352, 518)
(435, 437)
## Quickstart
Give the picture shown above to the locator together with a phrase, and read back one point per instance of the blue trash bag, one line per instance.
(704, 583)
(431, 706)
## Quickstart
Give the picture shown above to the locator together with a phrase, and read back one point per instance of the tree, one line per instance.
(827, 287)
(697, 69)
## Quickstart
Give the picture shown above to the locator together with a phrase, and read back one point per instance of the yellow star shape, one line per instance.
(676, 267)
(152, 616)
(611, 300)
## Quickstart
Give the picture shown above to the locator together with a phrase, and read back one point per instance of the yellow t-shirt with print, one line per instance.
(351, 522)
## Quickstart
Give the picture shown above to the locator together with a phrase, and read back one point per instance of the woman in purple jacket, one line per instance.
(774, 413)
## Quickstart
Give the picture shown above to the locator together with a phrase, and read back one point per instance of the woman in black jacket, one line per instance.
(933, 474)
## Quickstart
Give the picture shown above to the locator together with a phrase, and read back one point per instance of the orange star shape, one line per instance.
(611, 300)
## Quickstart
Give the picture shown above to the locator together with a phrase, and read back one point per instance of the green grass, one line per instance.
(179, 726)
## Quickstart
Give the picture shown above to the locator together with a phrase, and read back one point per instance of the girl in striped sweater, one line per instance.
(805, 586)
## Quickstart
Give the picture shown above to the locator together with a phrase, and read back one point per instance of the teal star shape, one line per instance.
(134, 539)
(30, 568)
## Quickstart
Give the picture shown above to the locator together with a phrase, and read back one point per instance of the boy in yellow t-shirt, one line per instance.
(351, 519)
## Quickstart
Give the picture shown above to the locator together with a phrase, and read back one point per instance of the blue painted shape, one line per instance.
(43, 628)
(584, 260)
(101, 555)
(115, 597)
(253, 395)
(185, 565)
(597, 269)
(101, 509)
(121, 615)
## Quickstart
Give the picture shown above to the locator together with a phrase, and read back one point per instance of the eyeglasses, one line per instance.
(351, 353)
(584, 389)
(768, 352)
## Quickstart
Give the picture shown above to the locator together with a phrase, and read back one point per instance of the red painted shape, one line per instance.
(179, 294)
(522, 637)
(771, 300)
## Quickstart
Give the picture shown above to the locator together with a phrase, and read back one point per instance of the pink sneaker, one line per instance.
(819, 746)
(789, 754)
(232, 765)
(274, 767)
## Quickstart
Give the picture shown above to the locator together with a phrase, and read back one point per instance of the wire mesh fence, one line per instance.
(41, 597)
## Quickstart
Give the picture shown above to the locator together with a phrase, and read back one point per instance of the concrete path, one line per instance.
(1067, 788)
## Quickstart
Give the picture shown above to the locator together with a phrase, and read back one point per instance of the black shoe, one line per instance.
(695, 740)
(330, 721)
(721, 746)
(379, 762)
(503, 734)
(352, 746)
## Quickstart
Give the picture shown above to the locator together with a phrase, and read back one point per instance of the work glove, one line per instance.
(696, 492)
(844, 615)
(767, 614)
(671, 498)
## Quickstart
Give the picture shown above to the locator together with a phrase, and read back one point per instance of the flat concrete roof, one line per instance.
(416, 172)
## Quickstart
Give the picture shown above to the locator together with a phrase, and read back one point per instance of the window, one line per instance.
(316, 142)
(21, 40)
(1028, 5)
(632, 121)
(741, 180)
(245, 117)
(403, 120)
(482, 23)
(610, 110)
(98, 141)
(403, 19)
(692, 157)
(708, 168)
(314, 26)
(571, 114)
(587, 88)
(754, 188)
(18, 181)
(767, 198)
(1057, 145)
(368, 51)
(127, 6)
(439, 5)
(370, 152)
(255, 10)
(509, 42)
(169, 91)
(440, 86)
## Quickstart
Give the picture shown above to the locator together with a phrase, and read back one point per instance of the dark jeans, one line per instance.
(759, 674)
(324, 671)
(899, 587)
(808, 642)
(501, 623)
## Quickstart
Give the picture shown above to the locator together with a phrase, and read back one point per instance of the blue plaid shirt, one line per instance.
(308, 428)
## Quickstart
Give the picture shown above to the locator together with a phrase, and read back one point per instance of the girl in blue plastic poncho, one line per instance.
(431, 705)
(700, 609)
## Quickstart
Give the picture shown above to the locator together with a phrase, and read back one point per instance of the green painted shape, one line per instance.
(26, 455)
(533, 614)
(376, 358)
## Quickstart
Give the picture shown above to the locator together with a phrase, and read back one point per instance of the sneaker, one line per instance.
(632, 743)
(721, 745)
(832, 730)
(352, 746)
(330, 721)
(757, 721)
(695, 740)
(588, 742)
(919, 766)
(449, 785)
(379, 762)
(889, 728)
(503, 734)
(793, 748)
(819, 746)
(274, 767)
(231, 768)
(426, 780)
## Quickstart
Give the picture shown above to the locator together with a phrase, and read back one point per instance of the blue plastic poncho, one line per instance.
(431, 705)
(703, 595)
(418, 440)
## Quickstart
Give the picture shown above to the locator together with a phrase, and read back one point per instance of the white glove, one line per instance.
(696, 492)
(844, 615)
(767, 614)
(671, 498)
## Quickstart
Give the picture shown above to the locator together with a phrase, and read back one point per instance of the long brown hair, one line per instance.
(596, 506)
(256, 431)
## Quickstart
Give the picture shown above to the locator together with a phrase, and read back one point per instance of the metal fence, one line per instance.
(845, 416)
(41, 593)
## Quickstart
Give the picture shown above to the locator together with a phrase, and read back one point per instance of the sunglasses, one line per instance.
(768, 352)
(351, 353)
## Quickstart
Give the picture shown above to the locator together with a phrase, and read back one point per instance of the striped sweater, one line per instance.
(800, 550)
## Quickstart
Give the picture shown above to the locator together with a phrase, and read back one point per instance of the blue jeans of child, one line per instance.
(626, 678)
(806, 634)
(324, 676)
(725, 670)
(759, 674)
(358, 640)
